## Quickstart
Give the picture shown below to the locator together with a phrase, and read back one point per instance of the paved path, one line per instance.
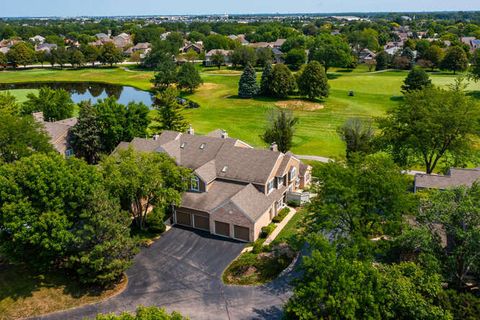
(182, 272)
(313, 158)
(280, 227)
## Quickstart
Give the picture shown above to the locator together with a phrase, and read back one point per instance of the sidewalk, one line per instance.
(280, 227)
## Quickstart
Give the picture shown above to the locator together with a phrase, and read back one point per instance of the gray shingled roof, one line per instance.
(58, 131)
(207, 172)
(254, 203)
(219, 193)
(455, 178)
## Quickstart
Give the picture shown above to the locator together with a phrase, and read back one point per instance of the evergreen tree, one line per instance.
(280, 129)
(282, 81)
(188, 77)
(169, 112)
(248, 87)
(313, 81)
(85, 135)
(266, 82)
(417, 79)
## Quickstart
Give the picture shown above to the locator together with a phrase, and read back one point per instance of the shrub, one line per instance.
(281, 215)
(293, 203)
(155, 221)
(267, 230)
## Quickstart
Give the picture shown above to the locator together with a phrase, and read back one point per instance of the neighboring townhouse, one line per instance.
(59, 132)
(37, 39)
(122, 41)
(366, 56)
(235, 189)
(142, 47)
(46, 47)
(225, 53)
(454, 178)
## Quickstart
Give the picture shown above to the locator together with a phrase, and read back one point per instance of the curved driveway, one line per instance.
(182, 271)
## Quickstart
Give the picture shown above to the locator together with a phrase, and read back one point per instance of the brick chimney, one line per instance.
(191, 131)
(274, 147)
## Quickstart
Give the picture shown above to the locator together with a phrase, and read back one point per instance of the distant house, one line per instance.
(59, 132)
(279, 43)
(142, 47)
(102, 36)
(122, 41)
(225, 53)
(235, 189)
(472, 42)
(164, 35)
(366, 56)
(46, 47)
(278, 55)
(454, 178)
(37, 39)
(197, 47)
(257, 45)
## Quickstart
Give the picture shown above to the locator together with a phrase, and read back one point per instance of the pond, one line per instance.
(80, 91)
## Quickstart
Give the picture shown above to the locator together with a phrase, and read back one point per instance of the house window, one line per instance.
(292, 174)
(280, 181)
(195, 184)
(270, 186)
(68, 153)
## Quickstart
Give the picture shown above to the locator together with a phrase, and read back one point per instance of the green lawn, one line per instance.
(245, 119)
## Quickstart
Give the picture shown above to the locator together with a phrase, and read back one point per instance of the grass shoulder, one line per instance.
(26, 293)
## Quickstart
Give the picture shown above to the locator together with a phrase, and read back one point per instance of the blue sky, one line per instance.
(158, 7)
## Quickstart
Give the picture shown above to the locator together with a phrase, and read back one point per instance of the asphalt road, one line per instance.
(182, 271)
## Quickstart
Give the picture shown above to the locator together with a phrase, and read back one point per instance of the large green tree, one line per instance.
(455, 60)
(283, 81)
(21, 137)
(188, 77)
(458, 212)
(55, 104)
(21, 54)
(417, 79)
(280, 129)
(243, 56)
(8, 103)
(365, 198)
(111, 55)
(295, 58)
(165, 74)
(144, 180)
(55, 214)
(91, 54)
(312, 81)
(169, 112)
(248, 86)
(266, 81)
(434, 54)
(475, 69)
(85, 136)
(430, 125)
(331, 51)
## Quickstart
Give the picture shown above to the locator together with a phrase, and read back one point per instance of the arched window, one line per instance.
(195, 184)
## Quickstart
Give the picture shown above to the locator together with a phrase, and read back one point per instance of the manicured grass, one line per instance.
(316, 134)
(293, 228)
(24, 293)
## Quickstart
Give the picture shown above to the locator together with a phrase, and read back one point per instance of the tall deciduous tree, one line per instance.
(280, 129)
(21, 54)
(21, 137)
(429, 125)
(109, 54)
(313, 82)
(331, 51)
(218, 59)
(283, 81)
(144, 180)
(8, 103)
(358, 135)
(58, 216)
(363, 199)
(434, 54)
(3, 60)
(188, 77)
(243, 56)
(475, 70)
(169, 112)
(91, 54)
(165, 74)
(455, 60)
(295, 58)
(417, 79)
(247, 86)
(55, 104)
(382, 61)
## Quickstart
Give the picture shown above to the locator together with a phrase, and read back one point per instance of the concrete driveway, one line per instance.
(182, 271)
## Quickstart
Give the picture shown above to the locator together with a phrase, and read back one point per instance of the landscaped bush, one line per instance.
(281, 215)
(155, 221)
(293, 204)
(267, 230)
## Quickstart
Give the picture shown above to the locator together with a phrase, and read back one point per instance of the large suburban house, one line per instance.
(59, 132)
(235, 189)
(209, 56)
(454, 178)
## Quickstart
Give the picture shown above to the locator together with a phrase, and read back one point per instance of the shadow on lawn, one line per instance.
(19, 282)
